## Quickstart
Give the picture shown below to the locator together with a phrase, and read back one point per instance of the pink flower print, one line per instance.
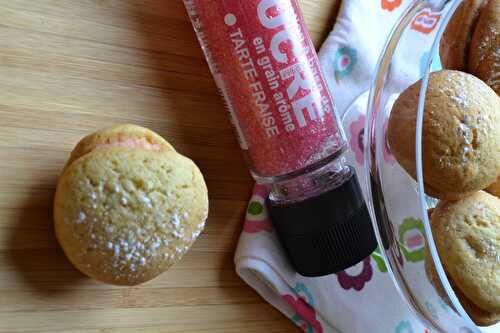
(412, 239)
(357, 131)
(305, 316)
(388, 157)
(358, 281)
(257, 219)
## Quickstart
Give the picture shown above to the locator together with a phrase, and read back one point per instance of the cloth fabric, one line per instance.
(363, 298)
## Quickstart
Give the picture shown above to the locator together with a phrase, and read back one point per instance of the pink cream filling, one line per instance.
(132, 144)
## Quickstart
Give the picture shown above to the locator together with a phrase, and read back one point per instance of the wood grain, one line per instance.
(69, 67)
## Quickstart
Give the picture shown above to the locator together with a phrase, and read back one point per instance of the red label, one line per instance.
(265, 64)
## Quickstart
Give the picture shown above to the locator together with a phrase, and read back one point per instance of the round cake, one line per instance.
(128, 206)
(126, 135)
(461, 134)
(467, 236)
(484, 57)
(454, 47)
(478, 315)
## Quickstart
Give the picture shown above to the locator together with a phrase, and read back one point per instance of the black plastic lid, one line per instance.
(328, 233)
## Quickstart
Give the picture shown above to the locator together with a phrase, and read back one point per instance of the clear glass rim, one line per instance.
(373, 158)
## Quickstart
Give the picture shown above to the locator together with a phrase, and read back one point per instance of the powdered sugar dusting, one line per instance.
(82, 217)
(176, 221)
(117, 250)
(487, 42)
(145, 200)
(466, 132)
(124, 200)
(131, 225)
(134, 246)
(460, 101)
(494, 78)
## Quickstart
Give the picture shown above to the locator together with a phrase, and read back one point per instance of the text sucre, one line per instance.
(296, 100)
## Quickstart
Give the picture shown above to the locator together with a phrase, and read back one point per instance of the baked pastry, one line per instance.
(461, 134)
(467, 236)
(495, 188)
(454, 47)
(471, 41)
(478, 315)
(124, 210)
(126, 135)
(484, 56)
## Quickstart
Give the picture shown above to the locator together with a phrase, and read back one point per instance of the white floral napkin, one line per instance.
(362, 298)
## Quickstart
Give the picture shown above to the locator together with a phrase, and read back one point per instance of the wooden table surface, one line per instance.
(69, 67)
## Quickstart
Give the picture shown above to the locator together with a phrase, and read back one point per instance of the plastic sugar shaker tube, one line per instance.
(264, 63)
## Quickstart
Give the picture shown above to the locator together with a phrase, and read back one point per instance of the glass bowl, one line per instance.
(398, 203)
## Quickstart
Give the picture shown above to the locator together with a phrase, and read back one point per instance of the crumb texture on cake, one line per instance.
(124, 216)
(467, 236)
(461, 134)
